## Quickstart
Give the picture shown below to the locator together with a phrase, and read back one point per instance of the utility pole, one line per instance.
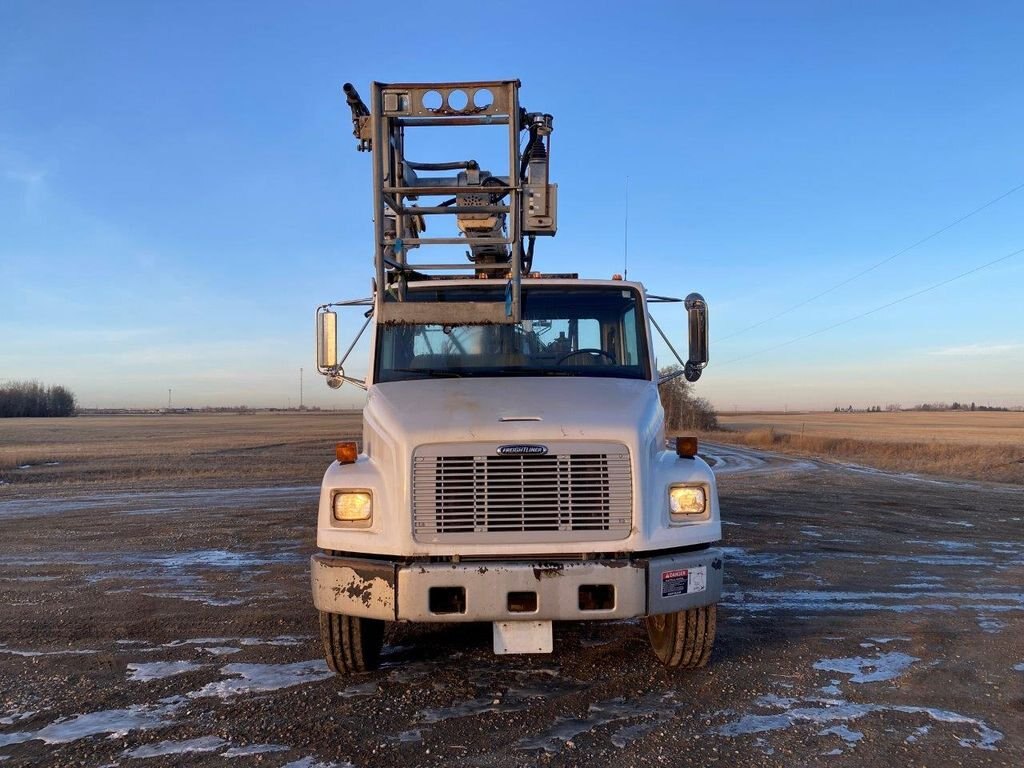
(300, 389)
(168, 399)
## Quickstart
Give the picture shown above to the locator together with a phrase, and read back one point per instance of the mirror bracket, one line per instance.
(335, 371)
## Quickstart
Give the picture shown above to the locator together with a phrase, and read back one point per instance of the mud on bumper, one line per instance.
(502, 590)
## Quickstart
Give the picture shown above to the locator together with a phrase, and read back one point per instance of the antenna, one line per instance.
(625, 237)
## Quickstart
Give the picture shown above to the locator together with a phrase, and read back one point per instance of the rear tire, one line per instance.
(683, 639)
(351, 644)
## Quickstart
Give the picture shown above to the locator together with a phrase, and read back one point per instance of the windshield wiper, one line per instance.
(429, 372)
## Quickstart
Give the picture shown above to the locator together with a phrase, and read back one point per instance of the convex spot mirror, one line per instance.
(697, 323)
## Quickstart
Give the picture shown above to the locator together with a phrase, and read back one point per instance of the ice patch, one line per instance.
(256, 678)
(885, 666)
(220, 650)
(203, 744)
(160, 502)
(196, 596)
(32, 654)
(850, 737)
(918, 733)
(312, 762)
(990, 625)
(287, 640)
(254, 749)
(157, 670)
(840, 711)
(805, 601)
(221, 642)
(1018, 667)
(413, 736)
(886, 640)
(115, 722)
(15, 717)
(949, 546)
(364, 689)
(658, 706)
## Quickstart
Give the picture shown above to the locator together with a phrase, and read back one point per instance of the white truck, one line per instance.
(514, 467)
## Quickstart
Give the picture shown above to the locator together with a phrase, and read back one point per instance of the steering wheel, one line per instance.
(589, 351)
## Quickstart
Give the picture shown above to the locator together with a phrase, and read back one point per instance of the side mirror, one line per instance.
(697, 321)
(326, 339)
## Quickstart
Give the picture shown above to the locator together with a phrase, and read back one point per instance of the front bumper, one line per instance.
(495, 590)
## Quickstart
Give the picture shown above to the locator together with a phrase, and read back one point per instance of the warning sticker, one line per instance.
(674, 582)
(698, 579)
(684, 581)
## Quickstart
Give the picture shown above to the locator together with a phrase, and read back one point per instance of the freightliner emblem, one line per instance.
(522, 450)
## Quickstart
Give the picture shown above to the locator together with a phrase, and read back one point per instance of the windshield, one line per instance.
(564, 332)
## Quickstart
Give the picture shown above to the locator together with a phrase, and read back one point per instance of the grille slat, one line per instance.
(570, 495)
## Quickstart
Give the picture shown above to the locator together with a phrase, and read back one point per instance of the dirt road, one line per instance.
(870, 619)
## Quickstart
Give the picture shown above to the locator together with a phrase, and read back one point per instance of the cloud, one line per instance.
(977, 350)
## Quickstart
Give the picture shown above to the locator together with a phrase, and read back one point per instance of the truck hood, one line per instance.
(410, 413)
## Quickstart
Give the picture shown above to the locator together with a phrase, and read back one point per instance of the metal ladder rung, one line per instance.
(451, 241)
(453, 120)
(441, 267)
(441, 209)
(427, 190)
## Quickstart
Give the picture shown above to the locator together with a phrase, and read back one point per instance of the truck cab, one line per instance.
(514, 467)
(518, 474)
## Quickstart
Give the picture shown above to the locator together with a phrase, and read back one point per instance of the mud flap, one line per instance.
(523, 637)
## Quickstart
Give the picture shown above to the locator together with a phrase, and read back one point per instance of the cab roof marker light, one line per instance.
(686, 447)
(346, 452)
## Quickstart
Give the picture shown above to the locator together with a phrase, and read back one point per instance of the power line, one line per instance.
(879, 308)
(875, 266)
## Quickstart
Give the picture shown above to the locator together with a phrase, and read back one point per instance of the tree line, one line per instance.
(683, 409)
(30, 398)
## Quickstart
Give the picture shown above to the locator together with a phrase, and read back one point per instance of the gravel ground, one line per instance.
(869, 618)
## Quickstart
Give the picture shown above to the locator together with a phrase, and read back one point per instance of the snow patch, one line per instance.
(156, 670)
(15, 717)
(254, 749)
(202, 744)
(850, 737)
(840, 711)
(32, 654)
(256, 678)
(885, 666)
(115, 722)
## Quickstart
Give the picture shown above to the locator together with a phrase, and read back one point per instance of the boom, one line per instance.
(497, 215)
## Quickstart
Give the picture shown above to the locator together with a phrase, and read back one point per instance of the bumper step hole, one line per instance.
(597, 597)
(522, 602)
(447, 600)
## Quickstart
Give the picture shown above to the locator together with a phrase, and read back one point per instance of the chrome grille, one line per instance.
(561, 495)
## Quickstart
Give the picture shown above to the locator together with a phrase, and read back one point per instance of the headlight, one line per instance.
(686, 500)
(353, 506)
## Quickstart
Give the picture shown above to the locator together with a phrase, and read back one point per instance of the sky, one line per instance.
(179, 188)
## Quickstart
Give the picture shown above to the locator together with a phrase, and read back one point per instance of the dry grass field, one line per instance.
(171, 449)
(979, 445)
(211, 450)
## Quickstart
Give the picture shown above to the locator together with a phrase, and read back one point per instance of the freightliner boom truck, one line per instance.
(514, 465)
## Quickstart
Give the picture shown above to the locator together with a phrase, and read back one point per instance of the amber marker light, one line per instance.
(686, 447)
(346, 453)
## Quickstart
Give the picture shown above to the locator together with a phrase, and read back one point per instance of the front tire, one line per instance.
(351, 644)
(683, 639)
